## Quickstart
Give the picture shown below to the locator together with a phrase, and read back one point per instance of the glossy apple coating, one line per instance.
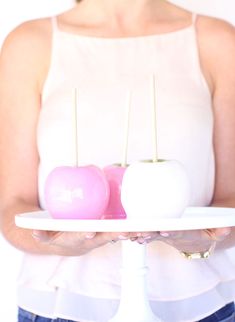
(76, 192)
(155, 189)
(114, 174)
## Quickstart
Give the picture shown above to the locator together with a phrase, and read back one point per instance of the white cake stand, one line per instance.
(134, 304)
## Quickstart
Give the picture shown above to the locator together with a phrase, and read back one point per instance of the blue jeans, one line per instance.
(225, 314)
(25, 316)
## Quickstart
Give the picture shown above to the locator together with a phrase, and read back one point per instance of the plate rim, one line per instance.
(187, 221)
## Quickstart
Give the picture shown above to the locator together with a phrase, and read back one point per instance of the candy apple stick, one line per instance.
(154, 106)
(127, 125)
(76, 125)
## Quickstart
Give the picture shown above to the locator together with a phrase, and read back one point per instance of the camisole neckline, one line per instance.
(123, 39)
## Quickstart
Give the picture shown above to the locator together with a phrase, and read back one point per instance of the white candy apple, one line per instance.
(155, 189)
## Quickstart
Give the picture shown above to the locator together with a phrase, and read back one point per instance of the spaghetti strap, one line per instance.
(194, 18)
(54, 23)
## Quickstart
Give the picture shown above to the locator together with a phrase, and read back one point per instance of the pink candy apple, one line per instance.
(76, 192)
(114, 174)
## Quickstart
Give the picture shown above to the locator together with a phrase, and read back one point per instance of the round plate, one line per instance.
(192, 218)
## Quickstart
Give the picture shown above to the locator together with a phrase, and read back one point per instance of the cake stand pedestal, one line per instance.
(134, 304)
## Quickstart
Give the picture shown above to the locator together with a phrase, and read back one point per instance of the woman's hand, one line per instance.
(80, 243)
(189, 241)
(76, 243)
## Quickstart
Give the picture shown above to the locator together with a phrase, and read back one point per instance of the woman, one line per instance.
(105, 48)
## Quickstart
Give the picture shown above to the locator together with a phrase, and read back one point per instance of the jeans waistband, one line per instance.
(225, 314)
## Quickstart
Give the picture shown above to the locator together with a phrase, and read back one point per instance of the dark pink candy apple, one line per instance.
(76, 192)
(114, 174)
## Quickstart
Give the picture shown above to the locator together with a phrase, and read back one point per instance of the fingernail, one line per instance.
(133, 238)
(164, 234)
(227, 232)
(90, 235)
(147, 237)
(36, 234)
(122, 237)
(39, 235)
(141, 241)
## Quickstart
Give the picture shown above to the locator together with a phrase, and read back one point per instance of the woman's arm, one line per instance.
(216, 42)
(19, 109)
(24, 62)
(219, 42)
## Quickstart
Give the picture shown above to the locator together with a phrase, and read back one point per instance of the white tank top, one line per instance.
(87, 288)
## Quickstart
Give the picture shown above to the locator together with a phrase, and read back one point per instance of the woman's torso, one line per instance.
(104, 70)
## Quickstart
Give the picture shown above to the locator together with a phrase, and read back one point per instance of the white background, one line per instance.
(13, 12)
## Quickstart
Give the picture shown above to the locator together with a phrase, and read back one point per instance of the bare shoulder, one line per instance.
(216, 41)
(212, 24)
(28, 45)
(29, 33)
(216, 34)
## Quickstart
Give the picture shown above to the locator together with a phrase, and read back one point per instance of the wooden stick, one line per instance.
(76, 125)
(127, 125)
(154, 104)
